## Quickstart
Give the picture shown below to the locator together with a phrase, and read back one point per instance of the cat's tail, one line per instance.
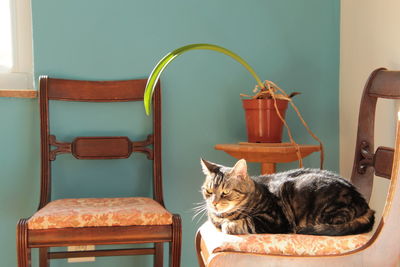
(359, 225)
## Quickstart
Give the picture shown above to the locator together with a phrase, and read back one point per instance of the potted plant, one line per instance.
(265, 110)
(265, 113)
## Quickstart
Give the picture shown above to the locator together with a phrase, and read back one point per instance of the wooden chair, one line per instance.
(98, 221)
(381, 248)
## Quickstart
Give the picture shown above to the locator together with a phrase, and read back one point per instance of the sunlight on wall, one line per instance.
(369, 40)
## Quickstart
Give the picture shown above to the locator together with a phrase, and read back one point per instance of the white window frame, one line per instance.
(21, 74)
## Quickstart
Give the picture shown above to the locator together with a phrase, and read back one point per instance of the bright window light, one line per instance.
(6, 53)
(16, 69)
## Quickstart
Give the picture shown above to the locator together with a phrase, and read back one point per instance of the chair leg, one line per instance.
(23, 251)
(158, 256)
(43, 257)
(176, 244)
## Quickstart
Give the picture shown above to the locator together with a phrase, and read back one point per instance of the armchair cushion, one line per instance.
(279, 244)
(91, 212)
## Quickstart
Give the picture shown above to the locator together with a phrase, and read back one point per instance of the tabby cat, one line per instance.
(303, 201)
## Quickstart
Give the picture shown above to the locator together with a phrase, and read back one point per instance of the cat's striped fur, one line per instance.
(304, 201)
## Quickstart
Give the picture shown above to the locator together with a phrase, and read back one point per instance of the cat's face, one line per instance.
(225, 189)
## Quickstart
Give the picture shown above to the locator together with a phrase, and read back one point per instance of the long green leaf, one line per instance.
(158, 69)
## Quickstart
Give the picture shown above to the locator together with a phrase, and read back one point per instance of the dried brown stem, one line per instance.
(270, 91)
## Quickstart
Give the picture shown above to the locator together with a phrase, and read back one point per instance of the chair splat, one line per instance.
(101, 147)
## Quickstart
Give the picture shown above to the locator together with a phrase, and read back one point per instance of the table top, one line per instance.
(267, 152)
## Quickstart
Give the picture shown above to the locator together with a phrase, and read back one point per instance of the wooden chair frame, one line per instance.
(98, 148)
(383, 249)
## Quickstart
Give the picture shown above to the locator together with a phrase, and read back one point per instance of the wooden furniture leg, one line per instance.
(23, 251)
(268, 168)
(176, 244)
(43, 257)
(158, 256)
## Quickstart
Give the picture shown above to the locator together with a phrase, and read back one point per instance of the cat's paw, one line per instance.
(232, 228)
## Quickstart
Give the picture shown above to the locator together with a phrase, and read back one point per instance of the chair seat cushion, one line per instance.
(90, 212)
(279, 244)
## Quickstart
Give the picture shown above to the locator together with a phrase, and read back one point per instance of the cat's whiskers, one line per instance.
(200, 218)
(200, 209)
(200, 206)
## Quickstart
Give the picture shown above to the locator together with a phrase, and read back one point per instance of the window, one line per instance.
(5, 33)
(16, 45)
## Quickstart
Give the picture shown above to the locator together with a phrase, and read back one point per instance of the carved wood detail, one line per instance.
(107, 147)
(366, 157)
(61, 147)
(381, 160)
(142, 146)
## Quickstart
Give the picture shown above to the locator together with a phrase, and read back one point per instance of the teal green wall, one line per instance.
(293, 43)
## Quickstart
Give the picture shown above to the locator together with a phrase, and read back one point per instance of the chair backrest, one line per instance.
(108, 147)
(381, 84)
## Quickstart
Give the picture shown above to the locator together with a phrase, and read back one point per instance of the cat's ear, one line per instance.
(207, 166)
(240, 169)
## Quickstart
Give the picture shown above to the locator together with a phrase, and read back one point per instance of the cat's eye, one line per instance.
(208, 192)
(226, 192)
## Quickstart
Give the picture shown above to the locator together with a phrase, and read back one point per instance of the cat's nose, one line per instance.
(214, 200)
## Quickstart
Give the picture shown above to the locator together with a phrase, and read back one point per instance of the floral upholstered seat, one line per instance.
(90, 212)
(279, 244)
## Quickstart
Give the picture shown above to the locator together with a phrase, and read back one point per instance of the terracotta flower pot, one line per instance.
(262, 121)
